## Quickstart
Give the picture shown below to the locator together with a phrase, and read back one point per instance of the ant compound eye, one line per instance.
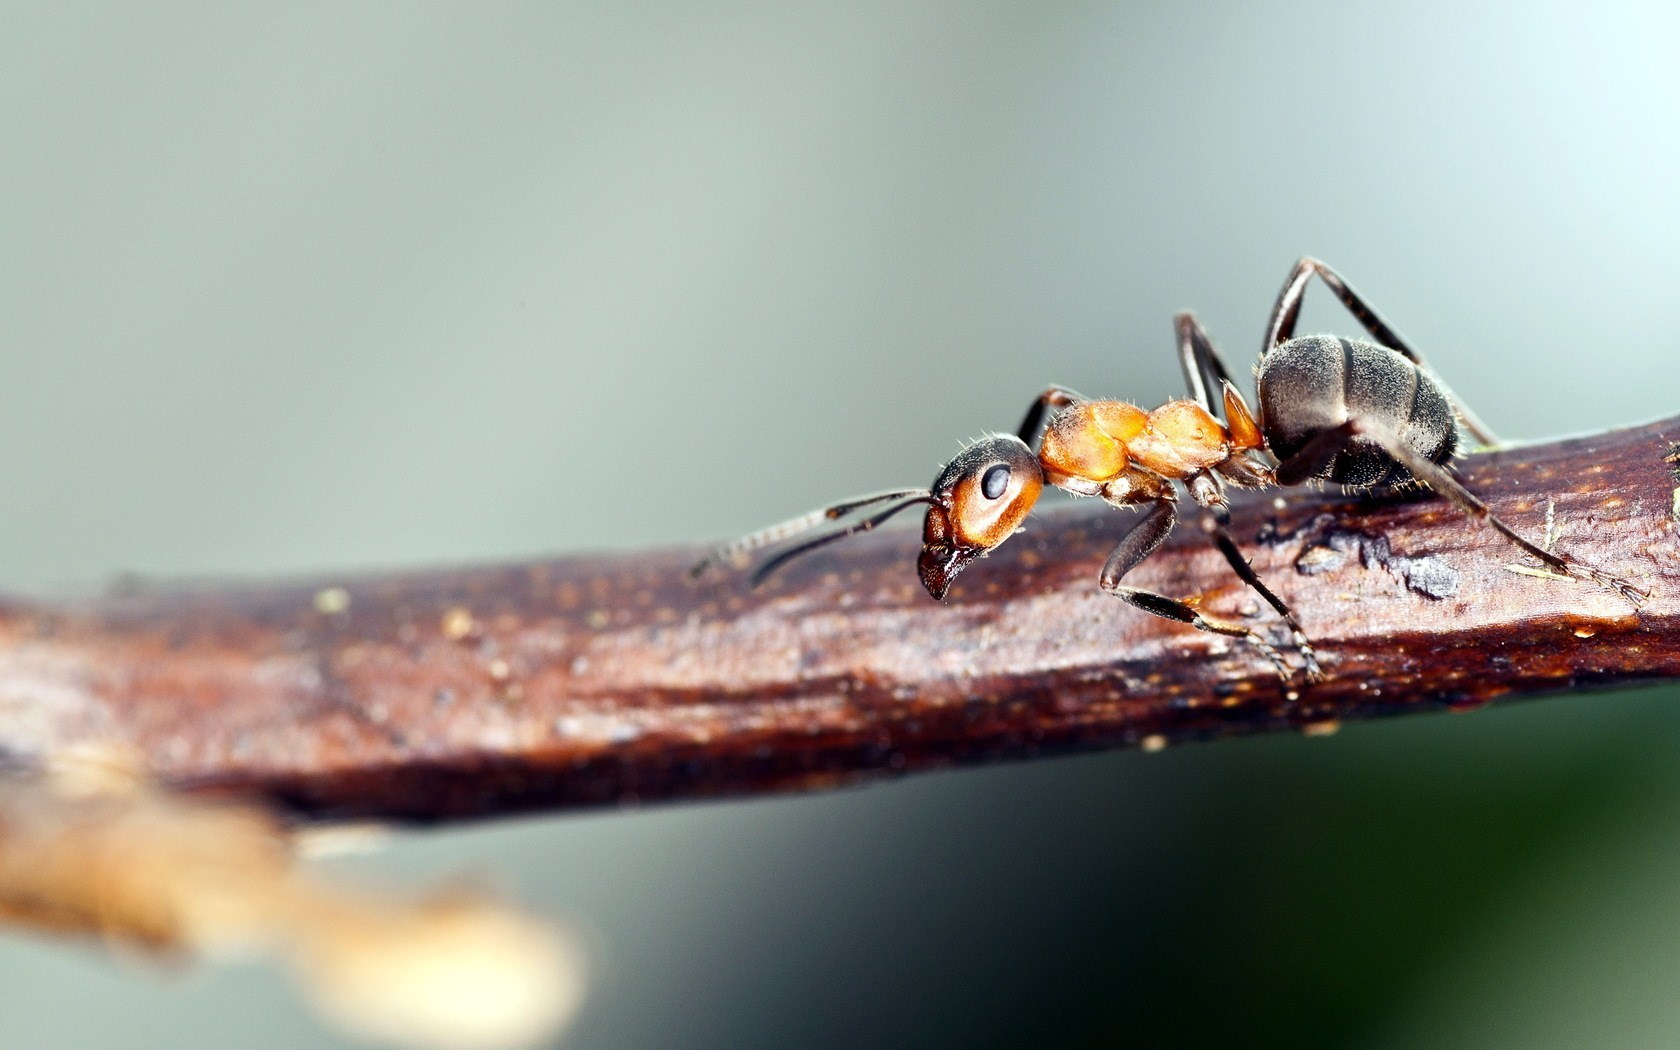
(994, 481)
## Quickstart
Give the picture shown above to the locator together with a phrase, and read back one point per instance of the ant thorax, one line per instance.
(1123, 453)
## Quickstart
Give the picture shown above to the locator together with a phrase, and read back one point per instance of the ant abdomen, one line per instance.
(1315, 383)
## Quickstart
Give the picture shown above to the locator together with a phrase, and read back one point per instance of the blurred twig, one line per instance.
(89, 847)
(600, 679)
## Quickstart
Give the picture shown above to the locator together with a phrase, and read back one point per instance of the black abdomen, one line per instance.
(1316, 382)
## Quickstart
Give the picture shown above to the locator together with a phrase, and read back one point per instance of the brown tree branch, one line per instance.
(599, 679)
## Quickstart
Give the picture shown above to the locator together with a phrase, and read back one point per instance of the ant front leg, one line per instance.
(1053, 398)
(1144, 539)
(1316, 454)
(1287, 312)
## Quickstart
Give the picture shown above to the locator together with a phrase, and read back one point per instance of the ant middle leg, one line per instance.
(1210, 384)
(1215, 528)
(1316, 454)
(1142, 541)
(1287, 312)
(1204, 371)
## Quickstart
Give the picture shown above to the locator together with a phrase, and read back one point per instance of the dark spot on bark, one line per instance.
(1429, 575)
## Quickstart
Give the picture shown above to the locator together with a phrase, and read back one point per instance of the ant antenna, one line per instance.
(763, 572)
(735, 550)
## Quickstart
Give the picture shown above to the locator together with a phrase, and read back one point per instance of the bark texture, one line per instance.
(600, 679)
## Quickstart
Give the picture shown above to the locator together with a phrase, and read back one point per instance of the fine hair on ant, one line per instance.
(1363, 414)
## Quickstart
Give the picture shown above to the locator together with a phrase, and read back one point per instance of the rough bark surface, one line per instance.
(608, 678)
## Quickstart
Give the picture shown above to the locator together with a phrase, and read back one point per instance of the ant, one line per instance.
(1363, 415)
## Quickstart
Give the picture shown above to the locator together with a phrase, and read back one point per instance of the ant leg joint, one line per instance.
(1173, 609)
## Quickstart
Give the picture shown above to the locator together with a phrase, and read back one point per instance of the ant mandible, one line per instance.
(1364, 415)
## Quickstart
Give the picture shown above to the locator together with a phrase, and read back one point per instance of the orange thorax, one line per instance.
(1098, 440)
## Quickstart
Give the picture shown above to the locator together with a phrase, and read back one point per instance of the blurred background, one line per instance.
(313, 287)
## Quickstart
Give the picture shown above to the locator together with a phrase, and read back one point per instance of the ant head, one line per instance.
(979, 500)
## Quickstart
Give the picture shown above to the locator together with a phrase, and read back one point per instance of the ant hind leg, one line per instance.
(1287, 312)
(1442, 482)
(1317, 454)
(1312, 459)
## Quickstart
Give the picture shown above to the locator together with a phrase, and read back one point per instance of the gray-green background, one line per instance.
(305, 287)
